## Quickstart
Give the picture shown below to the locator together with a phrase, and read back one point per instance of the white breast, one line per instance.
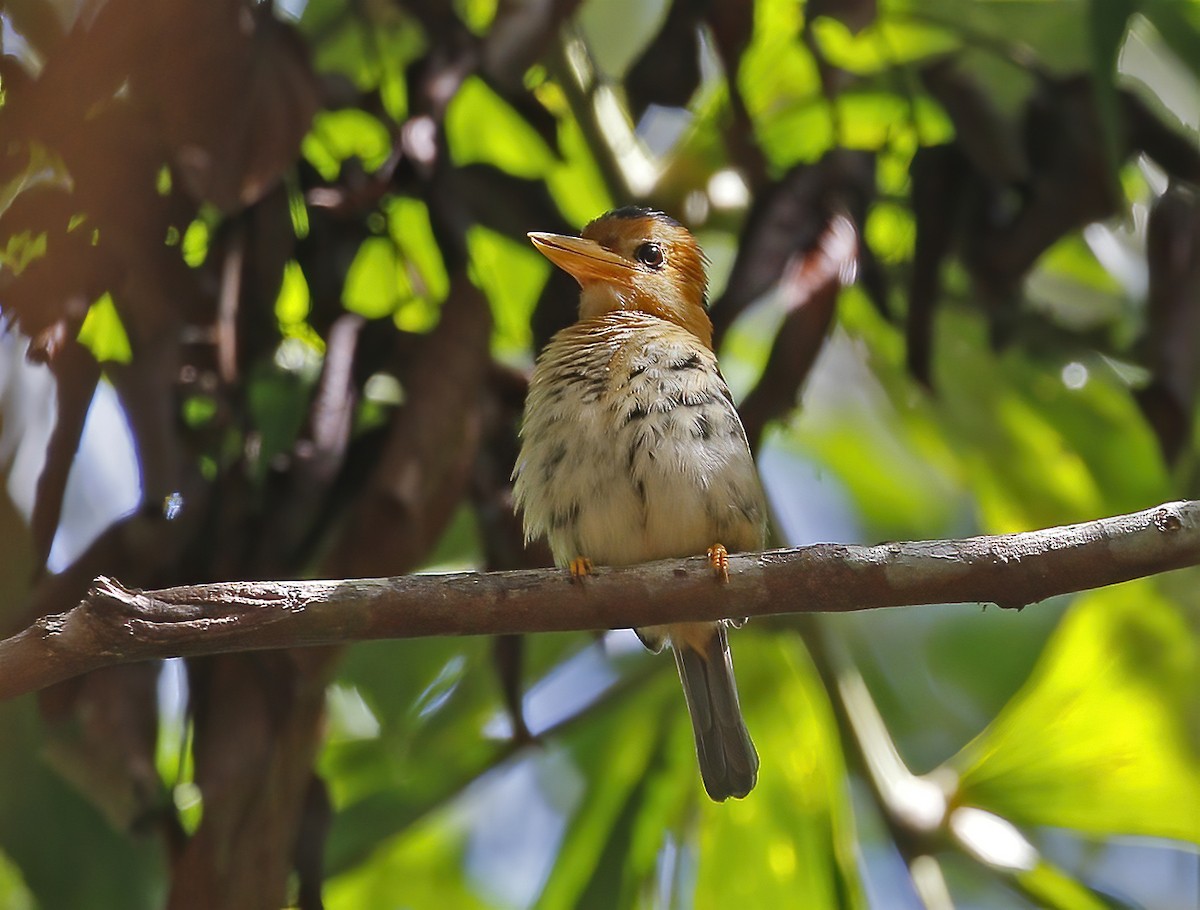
(632, 449)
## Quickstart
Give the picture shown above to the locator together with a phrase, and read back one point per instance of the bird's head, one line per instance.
(635, 259)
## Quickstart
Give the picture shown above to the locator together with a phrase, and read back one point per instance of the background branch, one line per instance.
(114, 625)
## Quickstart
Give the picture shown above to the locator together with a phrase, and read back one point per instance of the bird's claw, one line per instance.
(718, 559)
(580, 568)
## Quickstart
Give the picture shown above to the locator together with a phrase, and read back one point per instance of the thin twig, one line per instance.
(114, 625)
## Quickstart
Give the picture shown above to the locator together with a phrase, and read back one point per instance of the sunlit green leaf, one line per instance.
(409, 227)
(195, 243)
(422, 867)
(482, 128)
(1073, 258)
(103, 334)
(375, 282)
(891, 232)
(21, 249)
(575, 181)
(799, 132)
(873, 120)
(775, 69)
(790, 843)
(278, 402)
(1039, 451)
(348, 133)
(781, 87)
(1050, 887)
(292, 304)
(372, 53)
(14, 895)
(882, 45)
(476, 14)
(1104, 737)
(432, 700)
(512, 275)
(600, 863)
(199, 410)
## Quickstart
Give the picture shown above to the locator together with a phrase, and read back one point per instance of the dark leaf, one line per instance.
(513, 206)
(786, 218)
(1172, 339)
(809, 286)
(252, 95)
(531, 110)
(508, 652)
(101, 737)
(668, 71)
(1070, 184)
(315, 821)
(424, 468)
(987, 139)
(257, 720)
(1174, 152)
(520, 36)
(732, 25)
(939, 176)
(76, 374)
(1107, 22)
(854, 14)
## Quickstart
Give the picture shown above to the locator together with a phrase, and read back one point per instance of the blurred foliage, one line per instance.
(289, 239)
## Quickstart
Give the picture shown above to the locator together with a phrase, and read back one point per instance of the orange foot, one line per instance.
(718, 558)
(580, 568)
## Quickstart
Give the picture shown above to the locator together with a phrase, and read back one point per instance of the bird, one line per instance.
(632, 450)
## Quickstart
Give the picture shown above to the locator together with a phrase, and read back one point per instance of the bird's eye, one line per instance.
(650, 254)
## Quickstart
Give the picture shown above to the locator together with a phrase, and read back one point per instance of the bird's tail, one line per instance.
(728, 762)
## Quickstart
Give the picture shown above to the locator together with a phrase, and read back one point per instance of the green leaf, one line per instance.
(1104, 737)
(481, 127)
(477, 15)
(14, 894)
(512, 275)
(372, 47)
(1179, 26)
(432, 700)
(348, 133)
(278, 404)
(375, 280)
(575, 181)
(881, 45)
(194, 247)
(601, 862)
(891, 232)
(381, 282)
(410, 229)
(43, 819)
(1107, 22)
(795, 831)
(21, 249)
(1051, 888)
(1038, 451)
(293, 303)
(871, 119)
(103, 334)
(422, 867)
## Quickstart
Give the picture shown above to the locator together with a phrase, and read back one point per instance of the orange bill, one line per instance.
(584, 260)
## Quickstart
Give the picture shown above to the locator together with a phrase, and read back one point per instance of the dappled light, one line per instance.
(268, 316)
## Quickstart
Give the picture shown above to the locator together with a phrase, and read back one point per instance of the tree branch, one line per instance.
(114, 625)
